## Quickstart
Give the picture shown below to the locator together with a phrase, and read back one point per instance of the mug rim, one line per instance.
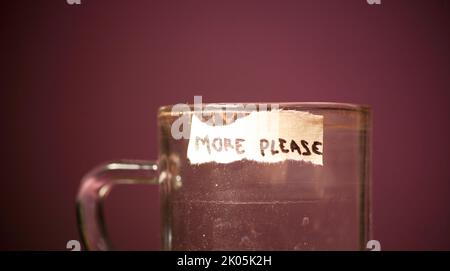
(163, 110)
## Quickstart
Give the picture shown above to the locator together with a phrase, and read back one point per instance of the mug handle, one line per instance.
(95, 187)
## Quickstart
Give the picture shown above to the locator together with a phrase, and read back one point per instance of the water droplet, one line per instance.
(178, 182)
(305, 221)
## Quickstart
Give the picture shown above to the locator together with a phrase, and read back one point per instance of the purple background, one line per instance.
(82, 84)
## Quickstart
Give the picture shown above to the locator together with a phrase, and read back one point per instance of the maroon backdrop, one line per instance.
(81, 84)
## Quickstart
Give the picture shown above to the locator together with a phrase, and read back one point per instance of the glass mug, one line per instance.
(289, 203)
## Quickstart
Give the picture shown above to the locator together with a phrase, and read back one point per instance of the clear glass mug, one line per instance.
(245, 204)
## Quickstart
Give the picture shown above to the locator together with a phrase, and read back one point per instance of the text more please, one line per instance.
(266, 146)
